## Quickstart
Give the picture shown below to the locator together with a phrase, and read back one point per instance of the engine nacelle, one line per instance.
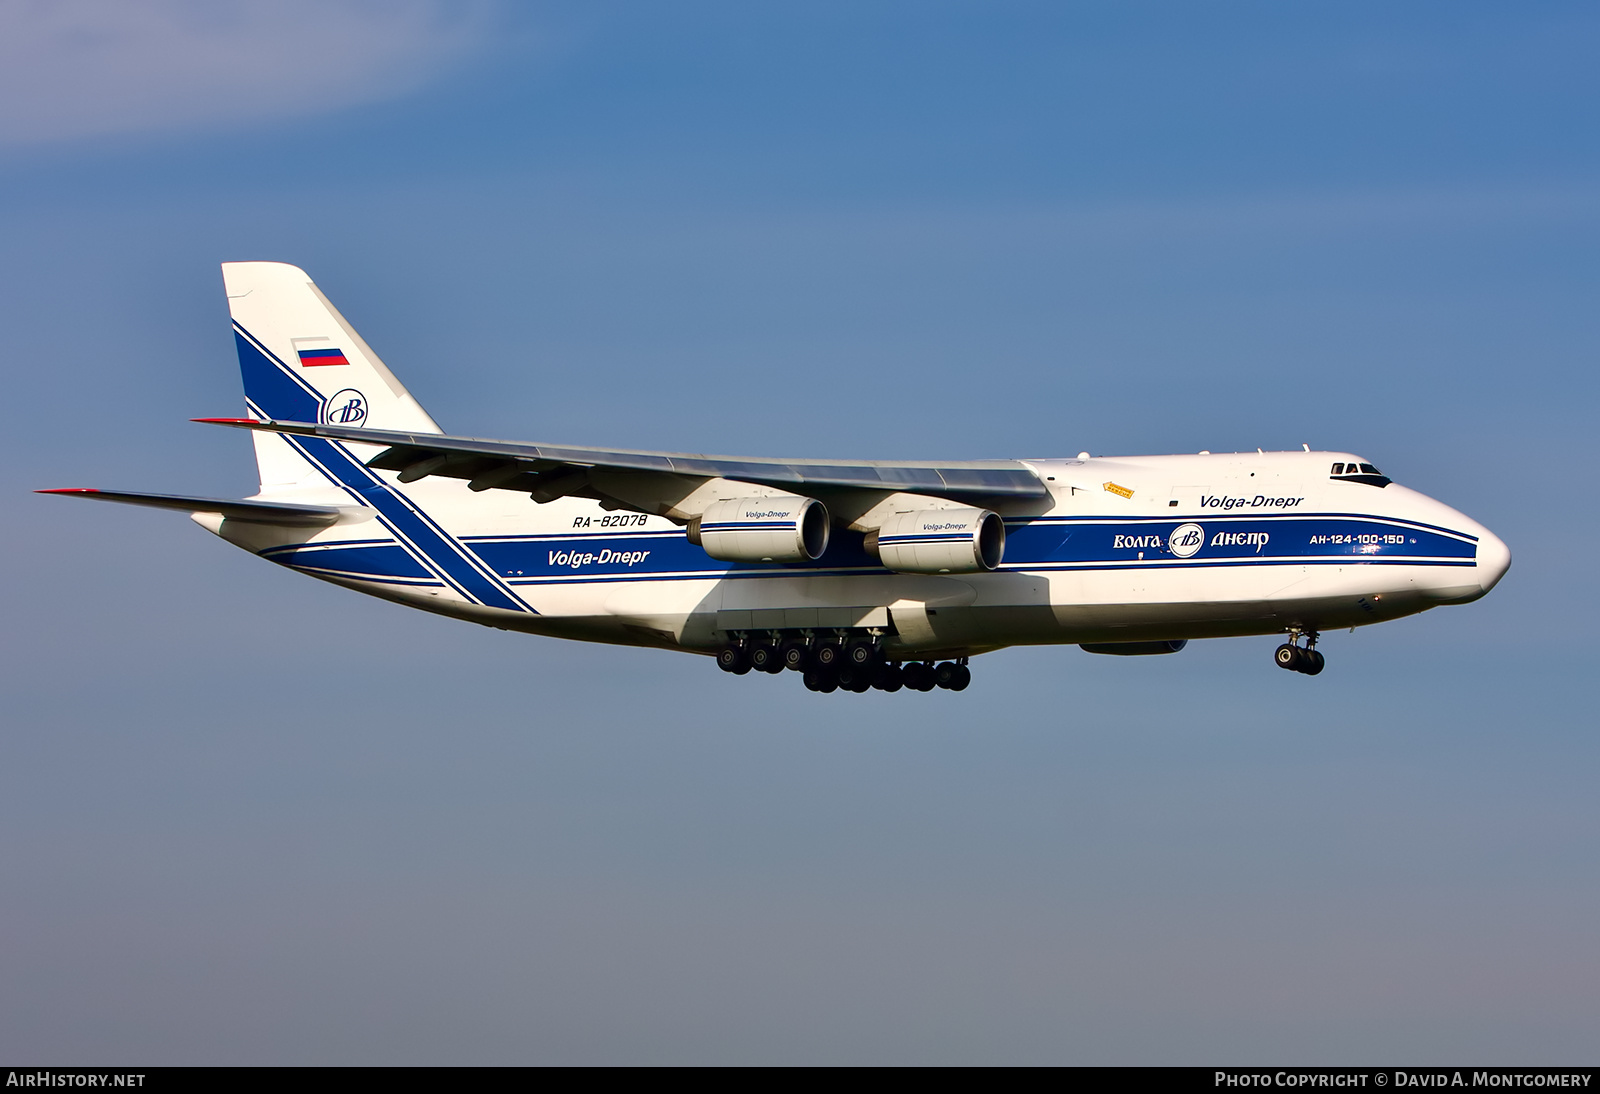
(940, 541)
(786, 528)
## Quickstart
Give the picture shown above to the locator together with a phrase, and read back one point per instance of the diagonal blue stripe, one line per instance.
(408, 522)
(272, 388)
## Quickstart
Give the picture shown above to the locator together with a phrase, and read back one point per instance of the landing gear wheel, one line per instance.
(855, 678)
(821, 681)
(764, 658)
(1311, 662)
(825, 656)
(732, 659)
(919, 676)
(946, 675)
(888, 678)
(1288, 656)
(860, 654)
(793, 655)
(963, 677)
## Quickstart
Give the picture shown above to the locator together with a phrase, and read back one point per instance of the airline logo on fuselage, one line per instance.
(1257, 540)
(579, 559)
(1260, 501)
(1186, 541)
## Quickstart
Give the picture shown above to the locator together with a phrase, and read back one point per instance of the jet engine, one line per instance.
(940, 541)
(786, 528)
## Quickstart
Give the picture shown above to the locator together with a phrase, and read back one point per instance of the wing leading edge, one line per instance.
(548, 472)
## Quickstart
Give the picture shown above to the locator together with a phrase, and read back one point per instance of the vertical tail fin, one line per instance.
(301, 362)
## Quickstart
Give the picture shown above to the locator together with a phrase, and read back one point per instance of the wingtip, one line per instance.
(226, 421)
(69, 490)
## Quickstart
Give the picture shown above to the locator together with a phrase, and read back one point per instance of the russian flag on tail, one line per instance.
(310, 357)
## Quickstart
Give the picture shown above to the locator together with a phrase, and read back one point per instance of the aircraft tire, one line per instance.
(919, 676)
(732, 659)
(854, 678)
(1287, 656)
(794, 656)
(963, 677)
(860, 654)
(764, 658)
(888, 678)
(947, 674)
(1311, 662)
(825, 657)
(816, 680)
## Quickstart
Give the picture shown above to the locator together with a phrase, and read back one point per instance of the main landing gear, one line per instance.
(839, 662)
(1298, 658)
(892, 676)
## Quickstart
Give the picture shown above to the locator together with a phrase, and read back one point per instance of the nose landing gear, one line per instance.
(1297, 658)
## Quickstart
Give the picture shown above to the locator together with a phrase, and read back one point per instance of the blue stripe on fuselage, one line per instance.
(388, 561)
(568, 560)
(1313, 536)
(1052, 543)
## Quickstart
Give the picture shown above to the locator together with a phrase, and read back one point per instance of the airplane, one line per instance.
(857, 575)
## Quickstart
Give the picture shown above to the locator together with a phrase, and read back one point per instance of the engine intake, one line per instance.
(940, 541)
(780, 529)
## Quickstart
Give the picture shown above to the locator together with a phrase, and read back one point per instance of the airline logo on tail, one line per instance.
(348, 407)
(313, 357)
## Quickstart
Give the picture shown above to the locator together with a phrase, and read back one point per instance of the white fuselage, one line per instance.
(1123, 550)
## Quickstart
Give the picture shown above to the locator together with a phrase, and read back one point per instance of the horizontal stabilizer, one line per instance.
(259, 512)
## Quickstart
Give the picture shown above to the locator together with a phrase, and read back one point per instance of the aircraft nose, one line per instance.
(1494, 559)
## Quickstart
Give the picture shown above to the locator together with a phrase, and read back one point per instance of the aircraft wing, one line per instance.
(548, 472)
(261, 512)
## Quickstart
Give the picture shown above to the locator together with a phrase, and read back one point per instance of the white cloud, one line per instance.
(81, 68)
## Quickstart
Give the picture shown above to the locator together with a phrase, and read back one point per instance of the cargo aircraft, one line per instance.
(855, 575)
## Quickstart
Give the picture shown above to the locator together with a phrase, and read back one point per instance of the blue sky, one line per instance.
(246, 817)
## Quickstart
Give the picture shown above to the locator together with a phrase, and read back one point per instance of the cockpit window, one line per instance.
(1364, 473)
